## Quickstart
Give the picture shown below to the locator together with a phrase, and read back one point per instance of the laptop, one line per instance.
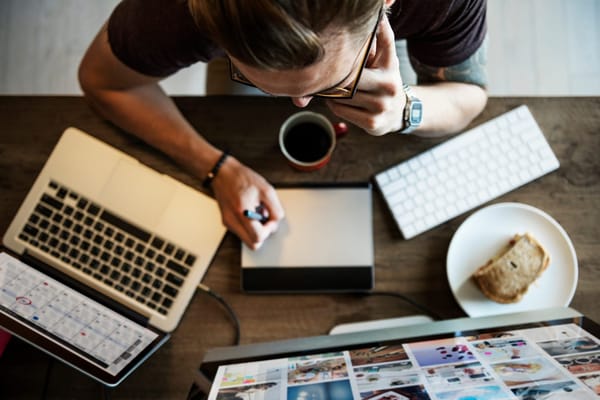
(549, 353)
(115, 237)
(324, 244)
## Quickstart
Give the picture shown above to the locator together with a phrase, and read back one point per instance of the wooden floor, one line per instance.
(537, 47)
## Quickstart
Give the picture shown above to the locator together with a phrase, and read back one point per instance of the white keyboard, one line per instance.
(466, 171)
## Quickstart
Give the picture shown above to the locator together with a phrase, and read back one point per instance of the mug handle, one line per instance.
(340, 129)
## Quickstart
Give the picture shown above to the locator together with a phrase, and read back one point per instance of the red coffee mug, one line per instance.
(307, 140)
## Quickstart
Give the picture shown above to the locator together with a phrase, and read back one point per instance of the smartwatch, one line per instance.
(413, 111)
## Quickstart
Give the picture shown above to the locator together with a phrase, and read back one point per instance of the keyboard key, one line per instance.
(62, 193)
(125, 226)
(126, 267)
(190, 259)
(171, 291)
(52, 202)
(45, 211)
(167, 302)
(157, 243)
(125, 280)
(174, 279)
(156, 297)
(180, 269)
(93, 209)
(179, 254)
(54, 229)
(30, 230)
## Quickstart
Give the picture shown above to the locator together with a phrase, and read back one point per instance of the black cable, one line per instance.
(47, 378)
(230, 311)
(105, 392)
(408, 300)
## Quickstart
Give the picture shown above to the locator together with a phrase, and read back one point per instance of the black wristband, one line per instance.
(212, 174)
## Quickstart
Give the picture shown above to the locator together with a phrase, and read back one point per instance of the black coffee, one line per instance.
(307, 142)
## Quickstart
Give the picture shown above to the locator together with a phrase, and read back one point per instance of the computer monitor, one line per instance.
(524, 355)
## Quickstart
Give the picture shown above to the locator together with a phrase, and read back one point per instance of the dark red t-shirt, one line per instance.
(159, 37)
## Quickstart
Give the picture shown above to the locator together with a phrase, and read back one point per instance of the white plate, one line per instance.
(485, 232)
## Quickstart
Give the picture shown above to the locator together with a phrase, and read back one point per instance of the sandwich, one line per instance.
(506, 277)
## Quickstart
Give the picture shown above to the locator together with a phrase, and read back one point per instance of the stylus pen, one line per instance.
(256, 216)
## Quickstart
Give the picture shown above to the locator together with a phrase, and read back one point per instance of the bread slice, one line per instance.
(506, 277)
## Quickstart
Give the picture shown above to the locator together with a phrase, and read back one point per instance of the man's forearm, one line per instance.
(147, 112)
(448, 107)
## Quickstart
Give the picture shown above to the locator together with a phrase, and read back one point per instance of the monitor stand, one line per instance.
(379, 324)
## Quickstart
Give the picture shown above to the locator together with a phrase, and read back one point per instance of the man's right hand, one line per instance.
(238, 188)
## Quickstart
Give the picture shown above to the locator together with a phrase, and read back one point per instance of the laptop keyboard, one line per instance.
(114, 252)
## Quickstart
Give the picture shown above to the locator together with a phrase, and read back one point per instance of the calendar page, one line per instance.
(70, 319)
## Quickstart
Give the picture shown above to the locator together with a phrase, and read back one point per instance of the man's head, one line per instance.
(282, 34)
(293, 48)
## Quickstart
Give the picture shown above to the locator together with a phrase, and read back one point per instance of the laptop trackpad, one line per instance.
(137, 193)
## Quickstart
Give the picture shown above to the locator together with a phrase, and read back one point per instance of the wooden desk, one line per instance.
(248, 127)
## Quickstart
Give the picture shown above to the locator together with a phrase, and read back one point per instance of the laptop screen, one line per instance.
(550, 359)
(71, 326)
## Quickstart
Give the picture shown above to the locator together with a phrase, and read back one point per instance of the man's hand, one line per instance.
(378, 104)
(238, 188)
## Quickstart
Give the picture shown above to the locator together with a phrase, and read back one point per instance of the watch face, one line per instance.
(416, 113)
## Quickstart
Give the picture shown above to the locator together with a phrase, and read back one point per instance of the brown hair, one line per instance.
(281, 34)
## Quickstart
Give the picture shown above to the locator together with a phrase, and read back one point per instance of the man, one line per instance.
(343, 50)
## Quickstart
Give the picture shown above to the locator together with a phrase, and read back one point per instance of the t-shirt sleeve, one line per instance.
(440, 33)
(157, 37)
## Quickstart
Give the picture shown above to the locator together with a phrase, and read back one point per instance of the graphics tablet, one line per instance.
(554, 352)
(324, 244)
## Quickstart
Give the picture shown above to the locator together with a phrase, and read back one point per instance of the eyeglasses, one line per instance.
(335, 92)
